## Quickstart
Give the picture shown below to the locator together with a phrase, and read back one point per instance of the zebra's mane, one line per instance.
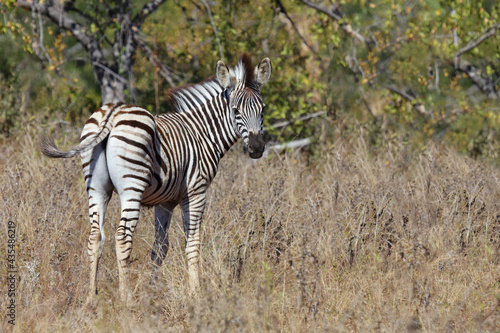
(244, 71)
(190, 96)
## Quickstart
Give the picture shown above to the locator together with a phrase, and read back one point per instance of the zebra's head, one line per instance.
(243, 85)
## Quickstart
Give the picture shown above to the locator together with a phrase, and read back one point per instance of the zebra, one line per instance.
(166, 160)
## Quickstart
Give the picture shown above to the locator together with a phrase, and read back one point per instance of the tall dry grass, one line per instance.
(349, 241)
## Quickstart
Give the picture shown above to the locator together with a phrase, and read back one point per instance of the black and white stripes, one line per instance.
(167, 160)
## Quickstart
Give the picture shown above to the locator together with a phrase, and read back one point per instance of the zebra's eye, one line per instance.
(236, 112)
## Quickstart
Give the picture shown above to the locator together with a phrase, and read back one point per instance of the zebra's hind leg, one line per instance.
(130, 206)
(192, 213)
(97, 210)
(163, 216)
(99, 189)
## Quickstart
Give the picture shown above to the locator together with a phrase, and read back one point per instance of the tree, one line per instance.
(425, 65)
(421, 68)
(110, 33)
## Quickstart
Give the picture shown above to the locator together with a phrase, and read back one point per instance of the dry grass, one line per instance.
(395, 241)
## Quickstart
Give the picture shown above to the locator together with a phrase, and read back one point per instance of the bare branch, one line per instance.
(335, 14)
(475, 74)
(69, 7)
(283, 10)
(37, 43)
(147, 10)
(110, 71)
(127, 37)
(214, 28)
(353, 63)
(420, 108)
(436, 76)
(486, 84)
(368, 106)
(306, 117)
(295, 144)
(485, 34)
(455, 33)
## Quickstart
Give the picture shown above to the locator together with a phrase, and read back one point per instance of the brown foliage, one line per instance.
(352, 241)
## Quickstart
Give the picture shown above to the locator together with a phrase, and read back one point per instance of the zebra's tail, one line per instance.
(49, 148)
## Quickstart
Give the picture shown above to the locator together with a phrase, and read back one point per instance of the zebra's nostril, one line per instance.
(256, 145)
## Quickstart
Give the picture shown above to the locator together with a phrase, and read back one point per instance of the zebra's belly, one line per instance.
(166, 191)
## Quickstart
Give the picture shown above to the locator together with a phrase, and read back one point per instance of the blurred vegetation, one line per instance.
(396, 71)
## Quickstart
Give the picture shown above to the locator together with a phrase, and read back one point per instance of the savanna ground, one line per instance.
(347, 240)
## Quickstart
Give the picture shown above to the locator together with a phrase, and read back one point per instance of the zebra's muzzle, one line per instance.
(256, 145)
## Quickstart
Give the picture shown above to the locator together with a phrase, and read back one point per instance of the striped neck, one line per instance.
(216, 123)
(207, 106)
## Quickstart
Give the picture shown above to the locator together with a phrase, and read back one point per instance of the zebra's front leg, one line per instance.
(163, 216)
(192, 213)
(123, 237)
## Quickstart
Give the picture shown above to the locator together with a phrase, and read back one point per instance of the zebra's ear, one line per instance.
(223, 75)
(263, 71)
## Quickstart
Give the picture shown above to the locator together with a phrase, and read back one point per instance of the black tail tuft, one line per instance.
(49, 148)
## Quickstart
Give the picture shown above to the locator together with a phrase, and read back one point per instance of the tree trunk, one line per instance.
(112, 88)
